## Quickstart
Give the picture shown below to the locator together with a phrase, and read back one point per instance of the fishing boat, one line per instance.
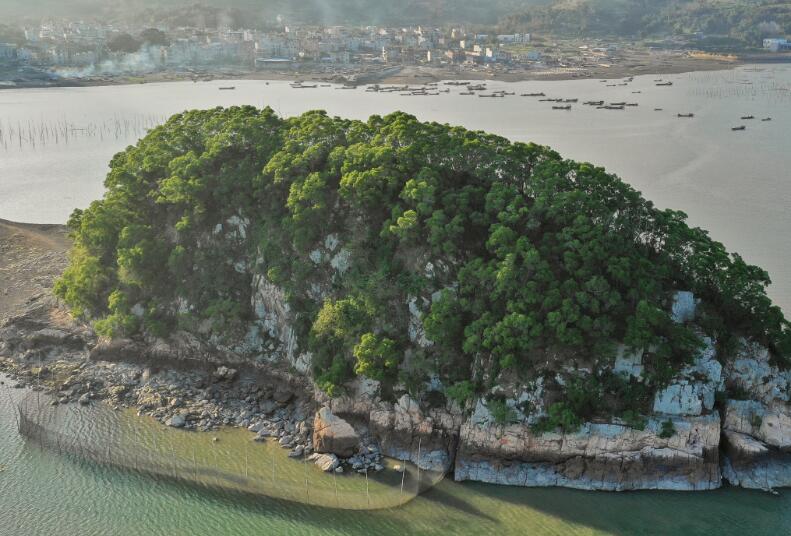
(492, 95)
(594, 103)
(744, 117)
(632, 104)
(686, 115)
(466, 93)
(617, 104)
(567, 107)
(665, 84)
(610, 107)
(740, 127)
(570, 100)
(228, 88)
(658, 109)
(766, 119)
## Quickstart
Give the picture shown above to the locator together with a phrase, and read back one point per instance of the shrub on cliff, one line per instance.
(507, 254)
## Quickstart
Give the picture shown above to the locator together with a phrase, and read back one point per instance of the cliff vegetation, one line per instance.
(408, 252)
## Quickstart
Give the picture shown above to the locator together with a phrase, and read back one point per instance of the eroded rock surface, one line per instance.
(598, 456)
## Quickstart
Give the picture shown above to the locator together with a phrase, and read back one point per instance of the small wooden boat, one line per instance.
(533, 95)
(570, 100)
(766, 119)
(617, 104)
(610, 107)
(686, 115)
(594, 103)
(228, 88)
(665, 84)
(658, 109)
(740, 127)
(567, 107)
(748, 117)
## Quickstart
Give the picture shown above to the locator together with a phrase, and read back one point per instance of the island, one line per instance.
(419, 291)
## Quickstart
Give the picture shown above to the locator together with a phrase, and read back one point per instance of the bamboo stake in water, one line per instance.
(367, 494)
(305, 471)
(335, 482)
(403, 474)
(418, 464)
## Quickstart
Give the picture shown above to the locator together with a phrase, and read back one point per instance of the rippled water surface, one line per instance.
(55, 143)
(54, 149)
(46, 493)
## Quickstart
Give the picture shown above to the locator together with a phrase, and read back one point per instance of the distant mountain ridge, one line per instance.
(742, 20)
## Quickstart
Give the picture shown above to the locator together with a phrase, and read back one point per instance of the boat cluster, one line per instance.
(748, 118)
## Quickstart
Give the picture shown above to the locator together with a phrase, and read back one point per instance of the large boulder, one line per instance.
(333, 435)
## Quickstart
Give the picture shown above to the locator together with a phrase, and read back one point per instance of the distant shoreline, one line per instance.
(637, 66)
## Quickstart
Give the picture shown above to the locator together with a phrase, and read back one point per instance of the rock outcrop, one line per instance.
(757, 431)
(427, 439)
(403, 429)
(598, 456)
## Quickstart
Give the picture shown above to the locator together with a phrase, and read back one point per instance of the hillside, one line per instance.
(745, 21)
(407, 252)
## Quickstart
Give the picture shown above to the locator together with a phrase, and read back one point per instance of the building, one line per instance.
(8, 53)
(516, 39)
(777, 45)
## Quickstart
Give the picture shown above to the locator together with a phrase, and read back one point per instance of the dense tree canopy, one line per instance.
(511, 257)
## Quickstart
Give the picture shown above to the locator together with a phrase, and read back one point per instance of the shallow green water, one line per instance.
(43, 493)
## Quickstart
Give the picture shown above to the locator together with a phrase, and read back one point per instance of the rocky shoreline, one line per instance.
(44, 349)
(693, 440)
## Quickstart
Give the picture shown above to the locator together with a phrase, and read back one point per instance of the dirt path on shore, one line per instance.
(31, 258)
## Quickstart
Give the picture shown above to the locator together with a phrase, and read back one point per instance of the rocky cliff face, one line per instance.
(598, 456)
(692, 441)
(757, 430)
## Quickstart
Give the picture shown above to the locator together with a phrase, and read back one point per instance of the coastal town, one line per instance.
(86, 53)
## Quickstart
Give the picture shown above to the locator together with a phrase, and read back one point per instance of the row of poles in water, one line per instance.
(40, 425)
(43, 133)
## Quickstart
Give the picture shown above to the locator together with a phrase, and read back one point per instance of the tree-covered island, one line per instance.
(410, 253)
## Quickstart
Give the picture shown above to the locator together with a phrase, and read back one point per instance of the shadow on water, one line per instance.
(438, 495)
(724, 511)
(242, 502)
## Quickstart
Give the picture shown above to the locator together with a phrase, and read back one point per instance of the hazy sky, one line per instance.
(331, 11)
